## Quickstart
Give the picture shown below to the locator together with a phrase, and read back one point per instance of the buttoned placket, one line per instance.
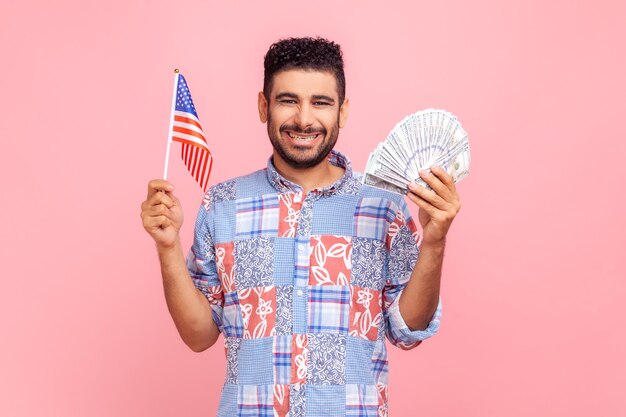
(302, 257)
(301, 249)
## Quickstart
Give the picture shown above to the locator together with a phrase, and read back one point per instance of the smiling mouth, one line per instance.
(303, 138)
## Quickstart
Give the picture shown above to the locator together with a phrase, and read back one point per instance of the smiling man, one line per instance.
(303, 269)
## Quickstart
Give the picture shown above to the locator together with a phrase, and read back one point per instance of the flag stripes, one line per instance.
(187, 130)
(198, 161)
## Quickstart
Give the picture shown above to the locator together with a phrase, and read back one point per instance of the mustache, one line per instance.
(307, 131)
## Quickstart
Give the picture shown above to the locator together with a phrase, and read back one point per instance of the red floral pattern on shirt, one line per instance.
(394, 229)
(365, 312)
(289, 213)
(281, 400)
(224, 261)
(258, 309)
(382, 399)
(331, 260)
(299, 358)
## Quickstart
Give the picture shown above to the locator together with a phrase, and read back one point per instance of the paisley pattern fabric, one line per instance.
(254, 262)
(232, 345)
(297, 403)
(327, 359)
(404, 246)
(284, 305)
(368, 259)
(224, 191)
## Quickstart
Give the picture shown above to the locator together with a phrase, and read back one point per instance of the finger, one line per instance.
(159, 210)
(156, 222)
(435, 214)
(436, 184)
(428, 195)
(444, 177)
(173, 198)
(162, 198)
(448, 181)
(157, 185)
(423, 204)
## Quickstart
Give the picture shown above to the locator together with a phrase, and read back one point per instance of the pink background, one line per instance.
(534, 276)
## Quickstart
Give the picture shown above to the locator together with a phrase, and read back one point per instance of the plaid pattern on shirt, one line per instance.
(373, 216)
(257, 216)
(294, 268)
(232, 321)
(329, 307)
(282, 359)
(256, 401)
(361, 400)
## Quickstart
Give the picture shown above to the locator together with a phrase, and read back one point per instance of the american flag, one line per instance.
(187, 130)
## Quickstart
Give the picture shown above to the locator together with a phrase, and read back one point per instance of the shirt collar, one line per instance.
(283, 185)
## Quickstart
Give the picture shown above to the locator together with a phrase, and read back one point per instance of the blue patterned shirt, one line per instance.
(305, 290)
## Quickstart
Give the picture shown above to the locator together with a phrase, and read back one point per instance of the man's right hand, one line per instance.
(162, 213)
(162, 218)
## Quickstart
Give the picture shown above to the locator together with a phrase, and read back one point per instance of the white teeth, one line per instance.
(303, 138)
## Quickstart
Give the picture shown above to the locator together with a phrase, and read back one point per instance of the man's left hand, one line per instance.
(438, 206)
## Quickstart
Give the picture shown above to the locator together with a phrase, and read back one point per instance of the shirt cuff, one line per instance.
(402, 331)
(215, 296)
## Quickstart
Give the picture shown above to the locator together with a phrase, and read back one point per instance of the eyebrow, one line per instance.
(286, 95)
(323, 97)
(314, 97)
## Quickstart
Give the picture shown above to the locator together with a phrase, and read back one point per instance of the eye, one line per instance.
(321, 103)
(287, 101)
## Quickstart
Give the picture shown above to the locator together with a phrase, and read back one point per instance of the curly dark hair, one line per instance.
(304, 53)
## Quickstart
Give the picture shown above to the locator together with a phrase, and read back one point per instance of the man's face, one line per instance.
(303, 116)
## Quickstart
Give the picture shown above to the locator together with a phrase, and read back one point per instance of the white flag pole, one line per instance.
(169, 134)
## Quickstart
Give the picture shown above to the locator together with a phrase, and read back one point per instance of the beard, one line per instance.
(298, 158)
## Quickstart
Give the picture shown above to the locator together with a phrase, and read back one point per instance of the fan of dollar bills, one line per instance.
(421, 140)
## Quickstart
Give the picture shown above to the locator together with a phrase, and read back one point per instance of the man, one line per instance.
(301, 267)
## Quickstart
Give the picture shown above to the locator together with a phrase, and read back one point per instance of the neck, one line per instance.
(318, 176)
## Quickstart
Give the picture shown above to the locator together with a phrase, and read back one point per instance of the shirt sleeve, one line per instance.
(402, 242)
(201, 266)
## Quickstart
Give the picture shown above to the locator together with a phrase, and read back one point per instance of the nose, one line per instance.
(304, 116)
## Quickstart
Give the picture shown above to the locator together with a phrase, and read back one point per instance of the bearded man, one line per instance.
(303, 269)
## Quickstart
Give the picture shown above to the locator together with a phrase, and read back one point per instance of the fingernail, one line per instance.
(424, 173)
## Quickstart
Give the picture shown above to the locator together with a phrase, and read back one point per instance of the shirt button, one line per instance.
(301, 246)
(299, 292)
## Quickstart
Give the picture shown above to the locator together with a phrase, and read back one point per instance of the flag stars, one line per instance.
(183, 98)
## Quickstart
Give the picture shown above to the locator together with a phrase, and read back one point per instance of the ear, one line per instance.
(343, 112)
(262, 103)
